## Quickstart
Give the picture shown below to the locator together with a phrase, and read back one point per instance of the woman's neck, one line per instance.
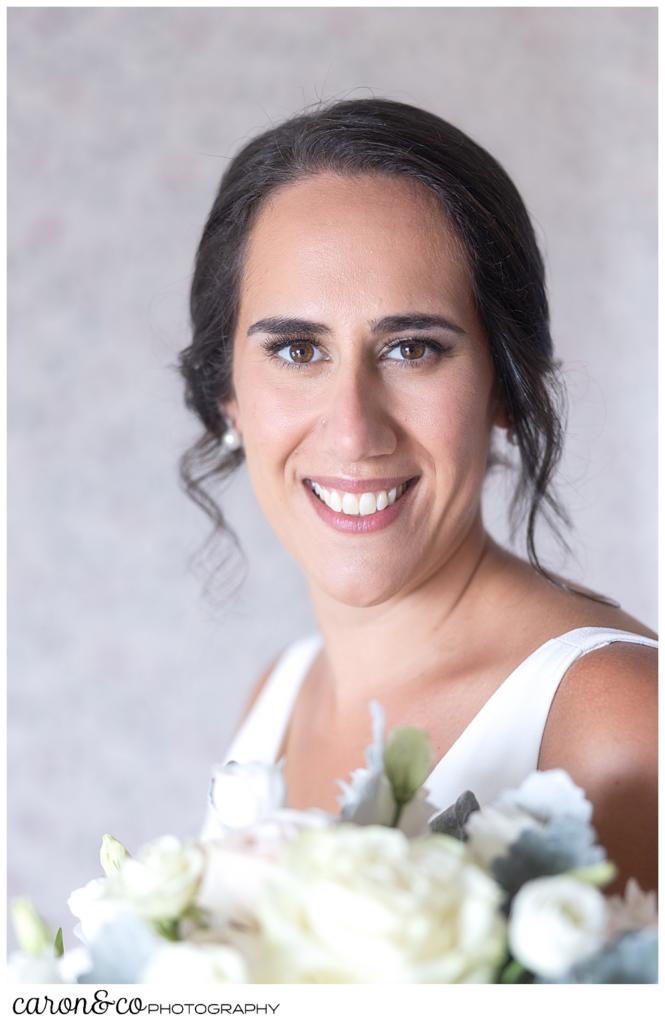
(375, 650)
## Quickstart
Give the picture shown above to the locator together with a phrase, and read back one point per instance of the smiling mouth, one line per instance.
(362, 505)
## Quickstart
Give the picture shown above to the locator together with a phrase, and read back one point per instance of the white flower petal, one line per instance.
(243, 794)
(555, 922)
(366, 904)
(546, 795)
(184, 963)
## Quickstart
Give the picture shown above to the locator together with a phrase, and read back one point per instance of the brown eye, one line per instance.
(413, 349)
(301, 351)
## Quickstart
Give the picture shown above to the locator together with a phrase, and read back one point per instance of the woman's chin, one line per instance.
(360, 589)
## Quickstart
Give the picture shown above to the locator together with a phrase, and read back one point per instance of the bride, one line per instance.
(369, 311)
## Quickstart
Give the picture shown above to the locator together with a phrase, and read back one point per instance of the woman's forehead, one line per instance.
(337, 234)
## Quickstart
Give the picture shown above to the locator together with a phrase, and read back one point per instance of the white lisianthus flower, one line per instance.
(243, 794)
(365, 904)
(187, 963)
(48, 969)
(546, 795)
(541, 797)
(161, 882)
(636, 909)
(555, 922)
(94, 905)
(492, 830)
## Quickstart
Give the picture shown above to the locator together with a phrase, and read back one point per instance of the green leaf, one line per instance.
(595, 874)
(167, 927)
(512, 973)
(407, 761)
(32, 933)
(58, 944)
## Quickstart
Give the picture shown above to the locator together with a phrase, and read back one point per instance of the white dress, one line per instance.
(496, 751)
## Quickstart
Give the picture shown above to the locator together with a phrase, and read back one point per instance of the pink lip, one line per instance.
(374, 483)
(360, 524)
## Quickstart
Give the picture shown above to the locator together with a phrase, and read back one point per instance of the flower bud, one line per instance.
(32, 933)
(111, 855)
(407, 761)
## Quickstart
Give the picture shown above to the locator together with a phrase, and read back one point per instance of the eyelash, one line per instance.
(275, 345)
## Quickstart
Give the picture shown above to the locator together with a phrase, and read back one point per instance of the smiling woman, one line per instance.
(369, 308)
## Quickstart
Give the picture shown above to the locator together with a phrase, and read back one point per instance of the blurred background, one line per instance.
(128, 665)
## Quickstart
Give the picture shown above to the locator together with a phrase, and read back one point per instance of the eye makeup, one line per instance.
(433, 351)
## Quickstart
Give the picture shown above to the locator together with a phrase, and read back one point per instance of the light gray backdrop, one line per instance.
(125, 681)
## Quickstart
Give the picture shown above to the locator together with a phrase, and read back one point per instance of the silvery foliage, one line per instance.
(564, 843)
(368, 798)
(630, 959)
(557, 835)
(451, 822)
(120, 951)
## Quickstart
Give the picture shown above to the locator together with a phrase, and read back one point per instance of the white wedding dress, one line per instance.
(496, 751)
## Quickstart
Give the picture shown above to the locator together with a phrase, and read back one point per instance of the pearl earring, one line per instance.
(231, 440)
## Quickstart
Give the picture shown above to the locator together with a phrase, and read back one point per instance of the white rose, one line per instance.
(161, 882)
(555, 922)
(243, 794)
(187, 963)
(238, 865)
(365, 904)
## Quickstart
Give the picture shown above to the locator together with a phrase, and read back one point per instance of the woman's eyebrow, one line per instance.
(287, 325)
(387, 324)
(413, 322)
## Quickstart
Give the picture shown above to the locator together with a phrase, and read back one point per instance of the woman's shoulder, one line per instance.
(607, 696)
(604, 675)
(602, 729)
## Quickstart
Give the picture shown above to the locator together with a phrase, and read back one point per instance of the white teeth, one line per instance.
(365, 504)
(350, 504)
(335, 501)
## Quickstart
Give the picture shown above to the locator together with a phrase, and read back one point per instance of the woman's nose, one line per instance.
(357, 421)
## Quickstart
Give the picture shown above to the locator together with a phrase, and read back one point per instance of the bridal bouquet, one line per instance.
(387, 891)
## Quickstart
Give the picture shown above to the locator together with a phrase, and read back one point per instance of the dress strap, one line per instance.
(260, 736)
(501, 745)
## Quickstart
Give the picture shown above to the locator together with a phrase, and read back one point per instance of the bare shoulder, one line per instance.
(608, 698)
(602, 729)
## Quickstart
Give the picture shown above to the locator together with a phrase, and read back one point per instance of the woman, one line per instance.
(369, 311)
